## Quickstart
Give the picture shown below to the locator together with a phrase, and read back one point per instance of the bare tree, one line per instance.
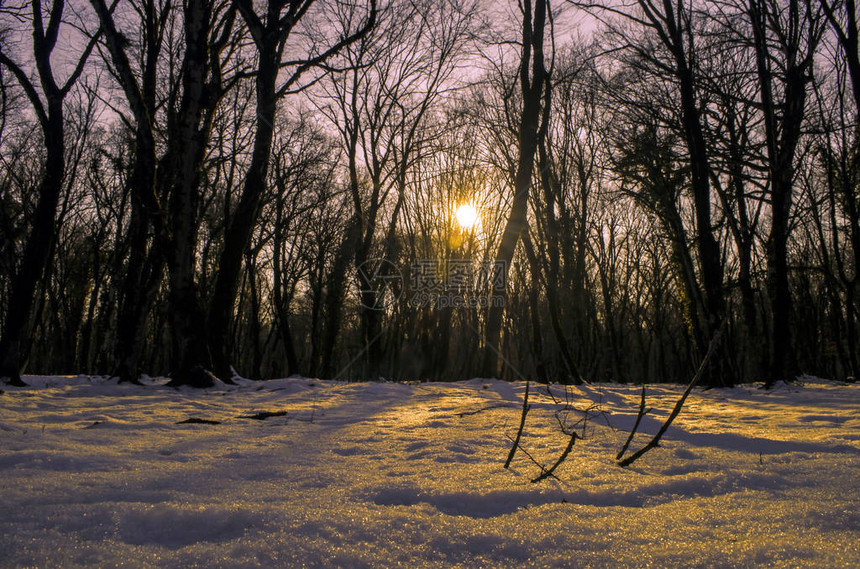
(785, 38)
(535, 86)
(270, 34)
(145, 265)
(841, 157)
(668, 49)
(47, 101)
(380, 107)
(842, 17)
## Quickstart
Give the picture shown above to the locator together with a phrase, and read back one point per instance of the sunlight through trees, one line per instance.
(197, 189)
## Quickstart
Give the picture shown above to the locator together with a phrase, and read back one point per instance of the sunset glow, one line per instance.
(467, 216)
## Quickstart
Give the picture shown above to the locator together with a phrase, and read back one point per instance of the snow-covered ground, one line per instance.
(94, 474)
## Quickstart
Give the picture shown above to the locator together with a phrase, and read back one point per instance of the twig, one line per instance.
(476, 411)
(533, 459)
(525, 412)
(546, 472)
(198, 421)
(263, 415)
(551, 394)
(642, 413)
(549, 472)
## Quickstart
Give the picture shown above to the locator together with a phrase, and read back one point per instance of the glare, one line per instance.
(467, 216)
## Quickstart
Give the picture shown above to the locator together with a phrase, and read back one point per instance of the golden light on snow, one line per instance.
(467, 216)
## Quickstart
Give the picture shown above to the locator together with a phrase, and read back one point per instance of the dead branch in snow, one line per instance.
(547, 472)
(198, 421)
(655, 440)
(525, 412)
(482, 409)
(263, 415)
(642, 412)
(535, 461)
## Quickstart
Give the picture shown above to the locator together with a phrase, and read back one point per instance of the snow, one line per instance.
(96, 474)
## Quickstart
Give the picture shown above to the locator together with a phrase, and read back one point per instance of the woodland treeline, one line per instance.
(205, 188)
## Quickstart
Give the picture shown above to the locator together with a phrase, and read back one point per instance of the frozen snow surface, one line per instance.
(307, 473)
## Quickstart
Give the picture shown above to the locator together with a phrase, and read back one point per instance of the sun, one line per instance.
(467, 216)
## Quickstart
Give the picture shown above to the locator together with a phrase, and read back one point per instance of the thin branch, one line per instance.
(28, 87)
(642, 412)
(337, 47)
(535, 461)
(655, 441)
(525, 412)
(482, 409)
(547, 472)
(79, 68)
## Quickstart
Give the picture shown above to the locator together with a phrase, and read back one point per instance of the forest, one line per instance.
(413, 190)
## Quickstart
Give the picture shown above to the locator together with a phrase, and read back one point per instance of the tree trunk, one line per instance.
(710, 261)
(191, 361)
(144, 273)
(534, 89)
(335, 291)
(146, 254)
(279, 299)
(782, 135)
(43, 233)
(38, 248)
(241, 226)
